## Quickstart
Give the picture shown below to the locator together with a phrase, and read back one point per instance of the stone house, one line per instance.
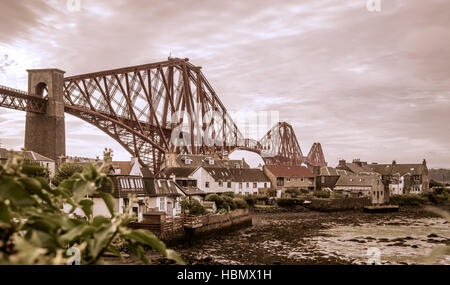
(359, 186)
(327, 177)
(290, 177)
(404, 178)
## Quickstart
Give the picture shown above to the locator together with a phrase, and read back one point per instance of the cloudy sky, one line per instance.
(368, 85)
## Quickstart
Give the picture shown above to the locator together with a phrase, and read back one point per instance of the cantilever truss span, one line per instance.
(161, 107)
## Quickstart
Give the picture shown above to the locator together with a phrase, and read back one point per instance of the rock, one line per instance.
(432, 235)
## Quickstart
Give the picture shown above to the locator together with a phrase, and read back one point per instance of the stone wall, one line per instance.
(341, 204)
(188, 229)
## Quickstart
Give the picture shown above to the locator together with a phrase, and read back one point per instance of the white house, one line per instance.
(237, 180)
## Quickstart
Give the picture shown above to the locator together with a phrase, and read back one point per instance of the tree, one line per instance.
(35, 230)
(65, 171)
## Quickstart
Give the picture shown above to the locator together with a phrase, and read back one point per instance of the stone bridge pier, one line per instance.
(45, 133)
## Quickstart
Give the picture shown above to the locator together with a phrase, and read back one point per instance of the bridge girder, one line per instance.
(163, 107)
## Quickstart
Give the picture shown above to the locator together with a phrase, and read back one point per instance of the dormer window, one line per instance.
(187, 161)
(211, 161)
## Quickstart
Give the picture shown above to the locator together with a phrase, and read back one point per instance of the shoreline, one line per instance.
(273, 233)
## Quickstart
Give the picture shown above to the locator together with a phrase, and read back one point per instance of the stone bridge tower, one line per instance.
(45, 133)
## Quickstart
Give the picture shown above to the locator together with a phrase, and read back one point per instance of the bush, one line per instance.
(408, 200)
(289, 202)
(65, 171)
(293, 192)
(304, 191)
(220, 201)
(229, 203)
(34, 228)
(272, 193)
(240, 203)
(322, 194)
(193, 207)
(250, 200)
(32, 170)
(229, 194)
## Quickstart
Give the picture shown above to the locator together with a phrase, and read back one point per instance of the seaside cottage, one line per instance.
(290, 177)
(360, 186)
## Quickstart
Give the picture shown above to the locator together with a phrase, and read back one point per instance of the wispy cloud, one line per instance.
(372, 85)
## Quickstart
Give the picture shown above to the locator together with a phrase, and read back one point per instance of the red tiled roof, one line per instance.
(289, 171)
(124, 166)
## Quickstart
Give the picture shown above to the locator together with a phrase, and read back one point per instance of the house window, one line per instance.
(302, 179)
(322, 179)
(206, 184)
(220, 184)
(248, 185)
(229, 184)
(162, 203)
(288, 179)
(255, 185)
(280, 181)
(265, 184)
(132, 183)
(240, 185)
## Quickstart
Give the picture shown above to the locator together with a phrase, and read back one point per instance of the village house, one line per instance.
(289, 177)
(404, 178)
(31, 157)
(360, 186)
(328, 176)
(182, 176)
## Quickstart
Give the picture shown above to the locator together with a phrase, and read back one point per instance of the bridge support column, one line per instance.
(45, 133)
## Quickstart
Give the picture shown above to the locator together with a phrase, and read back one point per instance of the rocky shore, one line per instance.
(290, 236)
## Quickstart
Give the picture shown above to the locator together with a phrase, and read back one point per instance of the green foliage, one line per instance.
(434, 183)
(408, 200)
(229, 203)
(304, 191)
(35, 170)
(240, 203)
(65, 171)
(272, 193)
(251, 200)
(222, 201)
(229, 194)
(193, 207)
(34, 228)
(322, 194)
(293, 192)
(289, 202)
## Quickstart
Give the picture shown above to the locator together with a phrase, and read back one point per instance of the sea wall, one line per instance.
(188, 229)
(338, 204)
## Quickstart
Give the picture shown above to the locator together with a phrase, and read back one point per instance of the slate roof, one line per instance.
(330, 171)
(289, 171)
(161, 187)
(179, 172)
(248, 175)
(402, 169)
(356, 180)
(190, 190)
(221, 173)
(124, 166)
(34, 156)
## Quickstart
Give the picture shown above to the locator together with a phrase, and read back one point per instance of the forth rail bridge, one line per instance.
(136, 106)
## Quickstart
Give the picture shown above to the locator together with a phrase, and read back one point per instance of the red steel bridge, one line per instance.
(157, 108)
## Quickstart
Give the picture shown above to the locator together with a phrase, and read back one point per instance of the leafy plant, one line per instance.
(65, 171)
(34, 228)
(240, 203)
(251, 201)
(289, 202)
(322, 194)
(193, 207)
